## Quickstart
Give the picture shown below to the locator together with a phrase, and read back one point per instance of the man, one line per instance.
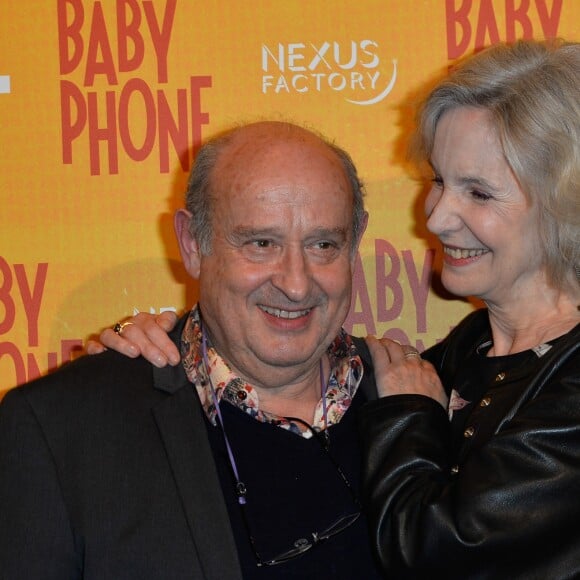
(113, 468)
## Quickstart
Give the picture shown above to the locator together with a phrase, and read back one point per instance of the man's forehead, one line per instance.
(255, 141)
(270, 167)
(273, 129)
(283, 230)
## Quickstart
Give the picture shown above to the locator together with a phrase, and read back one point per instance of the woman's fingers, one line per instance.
(144, 334)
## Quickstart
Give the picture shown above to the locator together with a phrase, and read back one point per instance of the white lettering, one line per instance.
(349, 67)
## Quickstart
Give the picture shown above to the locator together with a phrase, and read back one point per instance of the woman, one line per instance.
(477, 474)
(488, 486)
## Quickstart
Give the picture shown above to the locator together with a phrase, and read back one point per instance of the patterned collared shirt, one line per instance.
(345, 377)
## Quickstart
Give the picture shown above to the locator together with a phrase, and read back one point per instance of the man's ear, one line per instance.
(362, 228)
(188, 246)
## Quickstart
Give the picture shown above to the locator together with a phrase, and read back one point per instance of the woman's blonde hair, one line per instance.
(532, 92)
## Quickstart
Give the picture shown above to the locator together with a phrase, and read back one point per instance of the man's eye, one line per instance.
(262, 243)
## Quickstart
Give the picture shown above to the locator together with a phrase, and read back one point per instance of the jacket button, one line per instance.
(485, 402)
(499, 377)
(469, 432)
(455, 469)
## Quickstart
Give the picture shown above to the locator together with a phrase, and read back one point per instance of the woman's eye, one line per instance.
(479, 195)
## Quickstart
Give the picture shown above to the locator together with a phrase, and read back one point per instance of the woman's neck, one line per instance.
(526, 324)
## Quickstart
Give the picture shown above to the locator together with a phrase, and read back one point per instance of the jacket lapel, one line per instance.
(189, 453)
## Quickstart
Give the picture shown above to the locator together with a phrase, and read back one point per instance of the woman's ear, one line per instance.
(188, 246)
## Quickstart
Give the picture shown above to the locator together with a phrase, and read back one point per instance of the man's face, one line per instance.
(276, 287)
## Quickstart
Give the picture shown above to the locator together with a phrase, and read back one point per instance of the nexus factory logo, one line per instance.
(353, 69)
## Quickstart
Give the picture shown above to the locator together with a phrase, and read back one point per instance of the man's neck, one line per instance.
(298, 401)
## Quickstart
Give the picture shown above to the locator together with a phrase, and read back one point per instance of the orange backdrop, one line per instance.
(103, 103)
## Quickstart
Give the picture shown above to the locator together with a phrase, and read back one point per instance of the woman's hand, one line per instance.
(400, 370)
(143, 334)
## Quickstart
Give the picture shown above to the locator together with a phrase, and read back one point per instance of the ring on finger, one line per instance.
(118, 328)
(411, 352)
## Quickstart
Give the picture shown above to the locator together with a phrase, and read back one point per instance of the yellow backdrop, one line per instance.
(102, 104)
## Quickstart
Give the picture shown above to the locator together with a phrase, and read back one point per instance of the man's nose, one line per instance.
(293, 274)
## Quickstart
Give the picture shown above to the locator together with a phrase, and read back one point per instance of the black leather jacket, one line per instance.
(498, 499)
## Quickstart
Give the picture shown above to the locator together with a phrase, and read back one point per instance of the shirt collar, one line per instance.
(345, 377)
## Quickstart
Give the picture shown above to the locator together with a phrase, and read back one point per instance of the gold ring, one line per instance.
(412, 354)
(118, 328)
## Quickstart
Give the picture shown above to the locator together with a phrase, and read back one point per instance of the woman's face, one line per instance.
(488, 226)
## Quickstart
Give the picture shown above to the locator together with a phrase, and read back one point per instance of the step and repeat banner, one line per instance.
(103, 105)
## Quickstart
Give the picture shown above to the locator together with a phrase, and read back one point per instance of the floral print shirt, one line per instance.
(345, 377)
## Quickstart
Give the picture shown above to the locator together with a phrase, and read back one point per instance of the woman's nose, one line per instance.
(441, 211)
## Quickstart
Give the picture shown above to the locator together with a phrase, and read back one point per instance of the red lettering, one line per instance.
(103, 115)
(99, 42)
(108, 133)
(10, 351)
(388, 282)
(6, 298)
(177, 130)
(518, 22)
(99, 53)
(26, 366)
(486, 25)
(71, 96)
(454, 19)
(69, 33)
(198, 118)
(360, 295)
(138, 86)
(34, 370)
(419, 287)
(31, 300)
(549, 21)
(520, 15)
(129, 30)
(160, 37)
(136, 104)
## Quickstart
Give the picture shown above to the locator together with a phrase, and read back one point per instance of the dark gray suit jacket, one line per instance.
(106, 473)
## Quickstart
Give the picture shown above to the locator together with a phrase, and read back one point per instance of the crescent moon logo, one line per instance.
(382, 95)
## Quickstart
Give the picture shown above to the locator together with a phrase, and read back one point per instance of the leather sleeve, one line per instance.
(510, 511)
